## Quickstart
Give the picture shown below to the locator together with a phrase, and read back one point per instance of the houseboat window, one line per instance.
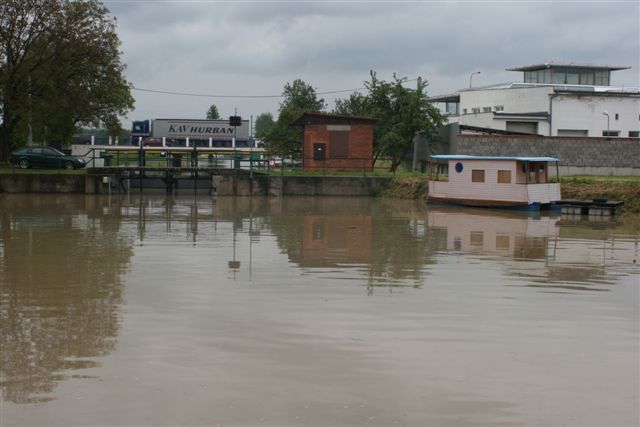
(502, 241)
(477, 175)
(536, 171)
(339, 147)
(504, 177)
(477, 238)
(459, 167)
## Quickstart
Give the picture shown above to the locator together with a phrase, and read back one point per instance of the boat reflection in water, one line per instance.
(572, 253)
(499, 233)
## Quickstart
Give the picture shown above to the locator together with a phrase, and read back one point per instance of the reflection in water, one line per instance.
(60, 289)
(506, 234)
(386, 303)
(387, 241)
(572, 263)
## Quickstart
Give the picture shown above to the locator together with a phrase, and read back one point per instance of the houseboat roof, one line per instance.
(466, 157)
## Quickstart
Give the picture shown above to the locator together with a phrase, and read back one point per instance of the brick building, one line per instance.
(336, 143)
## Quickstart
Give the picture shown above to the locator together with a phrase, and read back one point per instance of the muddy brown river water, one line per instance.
(187, 310)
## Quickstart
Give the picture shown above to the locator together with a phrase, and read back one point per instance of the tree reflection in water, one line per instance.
(60, 289)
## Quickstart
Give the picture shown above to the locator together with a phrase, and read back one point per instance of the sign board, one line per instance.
(199, 129)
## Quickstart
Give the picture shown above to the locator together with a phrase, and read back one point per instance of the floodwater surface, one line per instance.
(188, 310)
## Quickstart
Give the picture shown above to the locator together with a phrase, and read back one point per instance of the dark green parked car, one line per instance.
(44, 157)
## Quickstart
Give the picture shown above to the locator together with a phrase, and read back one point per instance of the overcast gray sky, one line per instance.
(253, 48)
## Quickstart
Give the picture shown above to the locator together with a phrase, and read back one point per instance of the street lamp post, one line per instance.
(471, 77)
(606, 113)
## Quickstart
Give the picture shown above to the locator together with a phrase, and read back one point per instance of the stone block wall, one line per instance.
(582, 152)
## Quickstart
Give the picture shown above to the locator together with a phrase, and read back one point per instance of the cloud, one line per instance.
(254, 48)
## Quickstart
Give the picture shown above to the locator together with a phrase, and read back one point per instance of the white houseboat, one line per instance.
(500, 182)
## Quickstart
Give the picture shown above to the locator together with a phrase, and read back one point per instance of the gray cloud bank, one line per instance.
(254, 48)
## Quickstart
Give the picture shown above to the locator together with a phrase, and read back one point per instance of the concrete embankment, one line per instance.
(241, 185)
(51, 183)
(268, 185)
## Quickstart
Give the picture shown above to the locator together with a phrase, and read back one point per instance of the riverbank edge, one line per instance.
(416, 188)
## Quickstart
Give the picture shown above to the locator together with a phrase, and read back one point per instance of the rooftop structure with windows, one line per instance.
(568, 74)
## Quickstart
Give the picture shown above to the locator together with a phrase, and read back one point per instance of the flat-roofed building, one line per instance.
(554, 99)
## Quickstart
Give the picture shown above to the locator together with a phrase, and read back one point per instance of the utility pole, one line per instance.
(415, 137)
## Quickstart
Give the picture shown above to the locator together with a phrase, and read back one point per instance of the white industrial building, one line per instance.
(553, 100)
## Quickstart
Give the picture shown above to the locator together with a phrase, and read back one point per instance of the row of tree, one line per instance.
(402, 113)
(59, 68)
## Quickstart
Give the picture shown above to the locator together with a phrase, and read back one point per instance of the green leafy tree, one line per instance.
(264, 123)
(212, 113)
(59, 68)
(356, 105)
(402, 113)
(298, 97)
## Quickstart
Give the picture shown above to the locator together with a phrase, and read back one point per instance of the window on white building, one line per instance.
(573, 132)
(634, 134)
(610, 133)
(573, 77)
(486, 109)
(602, 78)
(475, 110)
(498, 108)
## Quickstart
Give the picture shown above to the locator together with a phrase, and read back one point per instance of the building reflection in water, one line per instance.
(378, 240)
(331, 240)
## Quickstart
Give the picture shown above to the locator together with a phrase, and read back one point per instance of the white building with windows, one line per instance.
(553, 100)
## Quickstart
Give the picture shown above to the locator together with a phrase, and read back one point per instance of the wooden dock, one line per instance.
(595, 207)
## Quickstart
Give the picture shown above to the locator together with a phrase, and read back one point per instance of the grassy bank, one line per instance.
(625, 188)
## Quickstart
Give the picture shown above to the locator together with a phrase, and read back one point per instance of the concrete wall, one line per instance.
(513, 100)
(52, 183)
(31, 183)
(584, 112)
(262, 185)
(602, 156)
